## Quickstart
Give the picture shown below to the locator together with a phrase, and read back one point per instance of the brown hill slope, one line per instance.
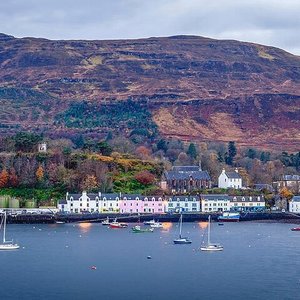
(196, 88)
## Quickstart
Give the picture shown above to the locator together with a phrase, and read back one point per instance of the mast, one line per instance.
(4, 227)
(180, 226)
(208, 234)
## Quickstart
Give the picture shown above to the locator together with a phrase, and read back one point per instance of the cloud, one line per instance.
(271, 22)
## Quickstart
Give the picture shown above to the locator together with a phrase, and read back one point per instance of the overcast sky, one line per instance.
(269, 22)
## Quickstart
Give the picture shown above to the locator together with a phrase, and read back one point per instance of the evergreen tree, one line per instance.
(231, 153)
(192, 151)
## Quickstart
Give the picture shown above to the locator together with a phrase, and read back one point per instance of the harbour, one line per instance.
(88, 261)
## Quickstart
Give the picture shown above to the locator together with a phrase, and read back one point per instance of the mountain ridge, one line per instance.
(203, 84)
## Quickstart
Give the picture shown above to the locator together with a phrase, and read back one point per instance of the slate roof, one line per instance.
(131, 196)
(214, 197)
(233, 175)
(74, 196)
(247, 199)
(110, 196)
(186, 172)
(262, 186)
(296, 198)
(183, 198)
(62, 202)
(291, 177)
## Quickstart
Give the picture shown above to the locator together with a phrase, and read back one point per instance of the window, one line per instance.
(170, 204)
(194, 204)
(186, 204)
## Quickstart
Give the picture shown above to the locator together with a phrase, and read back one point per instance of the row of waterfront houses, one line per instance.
(133, 203)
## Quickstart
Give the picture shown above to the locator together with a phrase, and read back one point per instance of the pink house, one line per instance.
(141, 204)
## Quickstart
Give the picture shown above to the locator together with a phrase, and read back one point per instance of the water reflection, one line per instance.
(167, 226)
(84, 227)
(203, 225)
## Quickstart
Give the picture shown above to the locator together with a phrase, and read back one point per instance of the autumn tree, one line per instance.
(285, 193)
(145, 177)
(4, 177)
(89, 183)
(39, 173)
(143, 152)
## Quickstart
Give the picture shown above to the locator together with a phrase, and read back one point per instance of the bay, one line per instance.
(259, 261)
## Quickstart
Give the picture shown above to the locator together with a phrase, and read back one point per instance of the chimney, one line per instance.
(223, 171)
(236, 170)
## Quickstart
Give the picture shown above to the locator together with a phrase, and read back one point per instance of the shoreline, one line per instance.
(265, 217)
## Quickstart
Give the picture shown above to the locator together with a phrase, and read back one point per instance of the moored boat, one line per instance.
(116, 224)
(295, 229)
(106, 222)
(7, 245)
(211, 246)
(229, 217)
(181, 240)
(156, 225)
(151, 222)
(138, 229)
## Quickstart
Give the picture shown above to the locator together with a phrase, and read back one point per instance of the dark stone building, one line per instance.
(183, 179)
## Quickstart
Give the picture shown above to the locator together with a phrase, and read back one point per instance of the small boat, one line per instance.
(116, 224)
(211, 246)
(181, 240)
(106, 222)
(149, 222)
(229, 217)
(93, 268)
(60, 222)
(295, 229)
(7, 245)
(221, 224)
(138, 229)
(156, 225)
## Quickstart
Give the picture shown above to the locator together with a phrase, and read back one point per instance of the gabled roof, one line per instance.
(214, 197)
(247, 199)
(131, 196)
(187, 173)
(183, 198)
(62, 202)
(186, 168)
(74, 196)
(296, 198)
(235, 175)
(110, 196)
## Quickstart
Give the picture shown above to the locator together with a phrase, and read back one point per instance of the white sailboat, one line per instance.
(181, 240)
(7, 245)
(211, 246)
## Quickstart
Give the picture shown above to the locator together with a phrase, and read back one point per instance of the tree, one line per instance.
(89, 183)
(251, 153)
(285, 193)
(26, 142)
(39, 173)
(4, 177)
(192, 151)
(104, 148)
(145, 177)
(143, 152)
(162, 145)
(13, 178)
(231, 153)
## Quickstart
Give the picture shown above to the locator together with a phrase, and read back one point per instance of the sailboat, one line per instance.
(7, 245)
(181, 240)
(211, 246)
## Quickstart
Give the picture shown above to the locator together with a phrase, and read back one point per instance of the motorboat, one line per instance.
(139, 229)
(116, 224)
(156, 225)
(106, 222)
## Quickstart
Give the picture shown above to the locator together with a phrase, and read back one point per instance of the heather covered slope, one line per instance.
(193, 88)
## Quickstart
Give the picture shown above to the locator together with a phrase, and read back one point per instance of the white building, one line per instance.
(247, 203)
(295, 205)
(182, 203)
(214, 203)
(109, 203)
(231, 180)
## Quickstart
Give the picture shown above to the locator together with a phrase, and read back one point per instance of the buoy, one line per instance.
(149, 257)
(93, 267)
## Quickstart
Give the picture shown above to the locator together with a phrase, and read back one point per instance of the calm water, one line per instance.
(259, 261)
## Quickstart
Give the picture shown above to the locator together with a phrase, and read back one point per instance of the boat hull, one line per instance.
(228, 219)
(296, 229)
(211, 249)
(9, 247)
(182, 242)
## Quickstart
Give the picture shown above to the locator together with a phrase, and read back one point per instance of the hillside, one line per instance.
(193, 88)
